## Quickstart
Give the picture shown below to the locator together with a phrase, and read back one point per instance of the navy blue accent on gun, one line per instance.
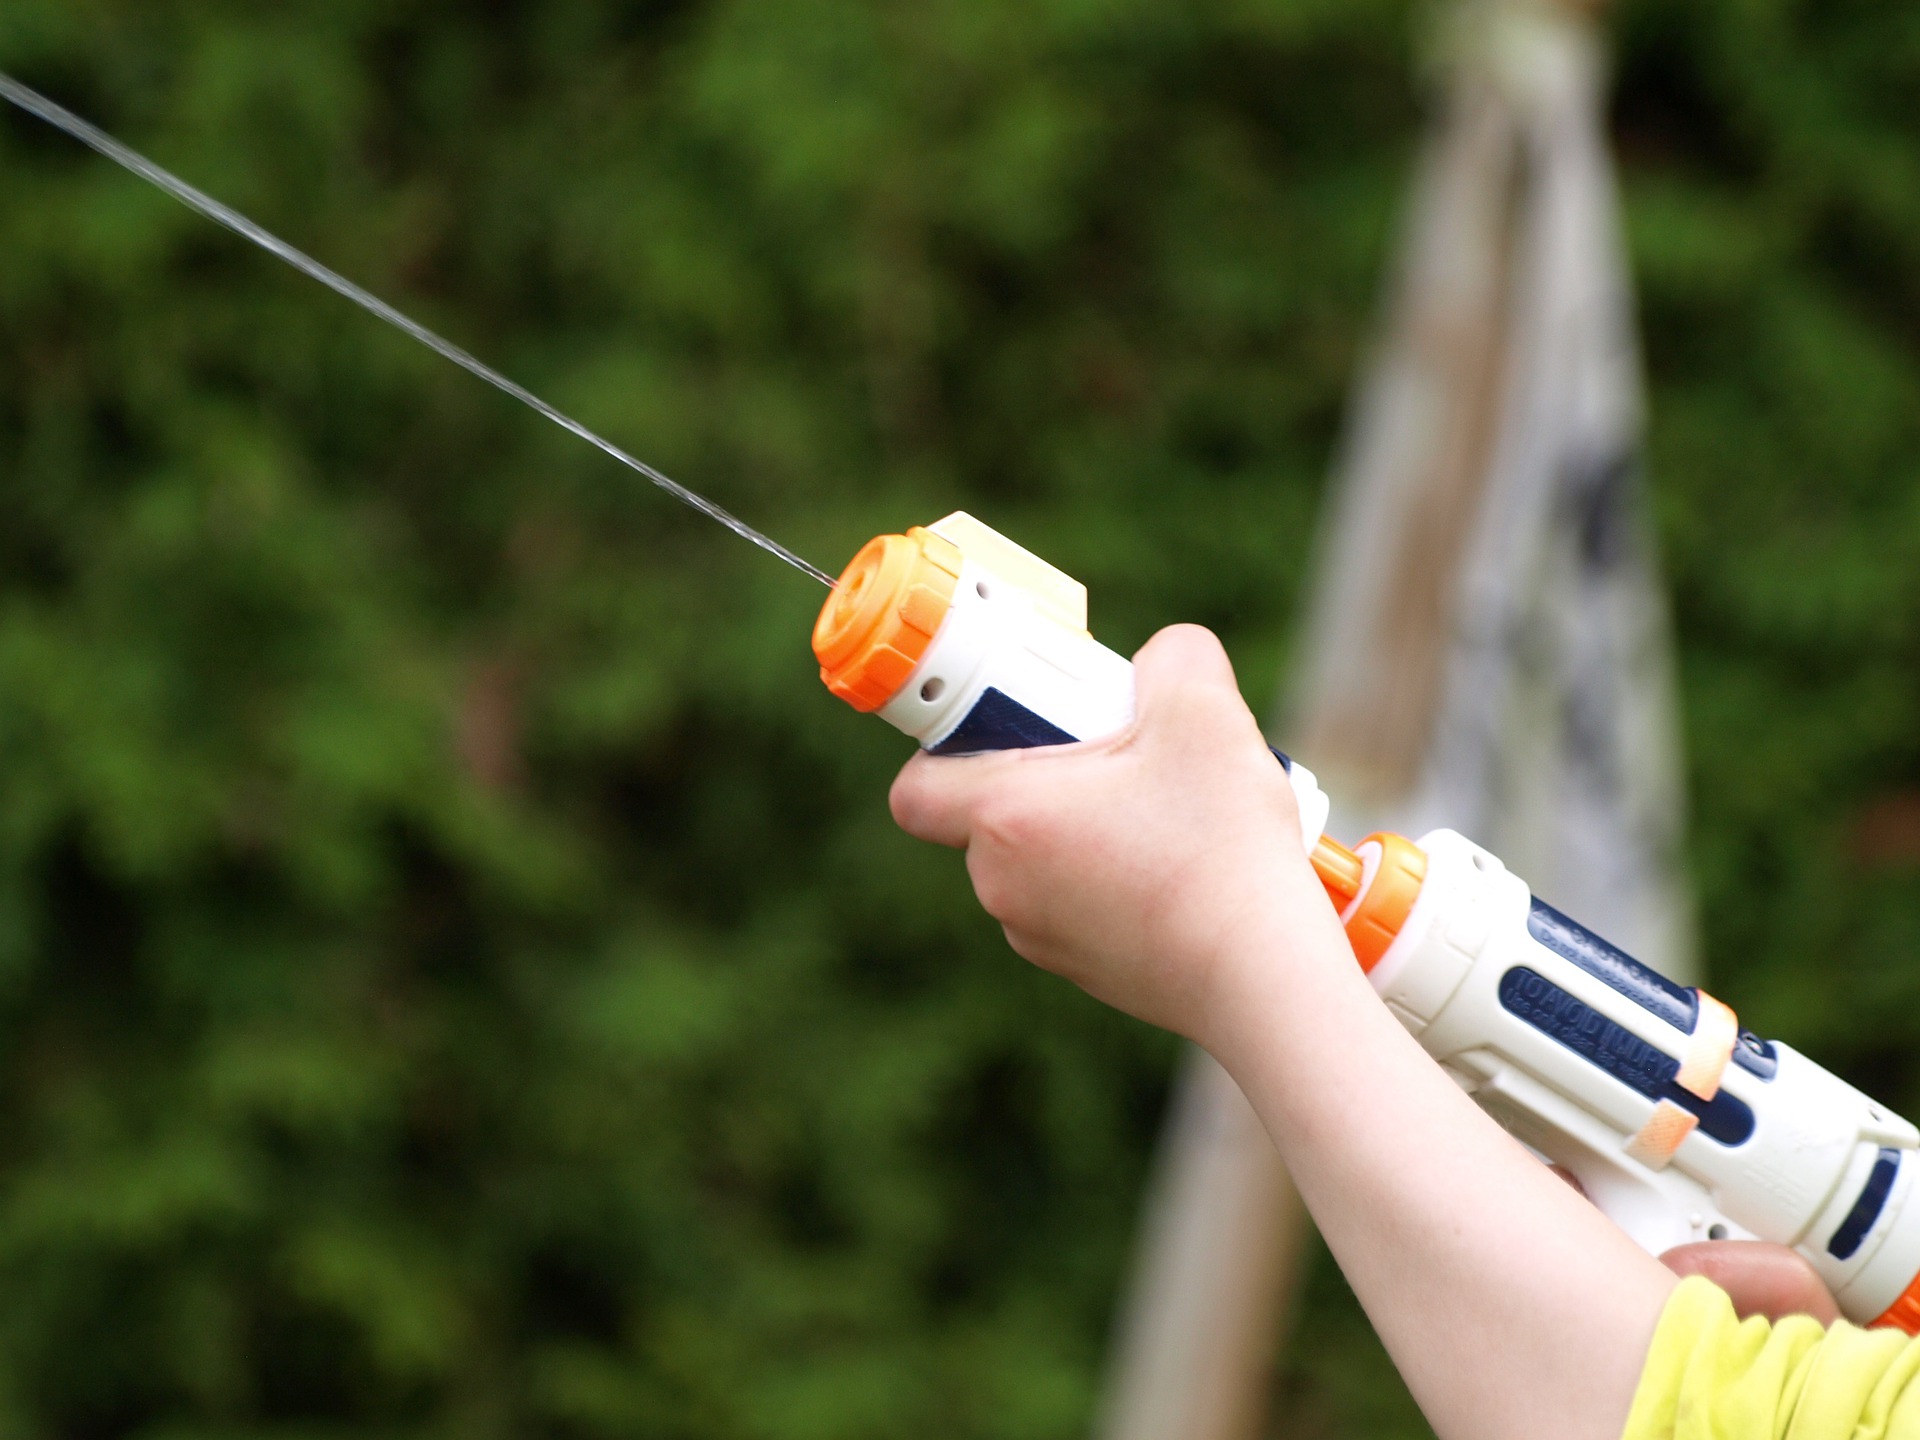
(1756, 1056)
(1866, 1210)
(1616, 1050)
(1725, 1118)
(998, 723)
(1648, 989)
(1585, 1031)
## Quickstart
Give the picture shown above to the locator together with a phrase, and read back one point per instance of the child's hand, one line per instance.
(1162, 871)
(1140, 865)
(1771, 1281)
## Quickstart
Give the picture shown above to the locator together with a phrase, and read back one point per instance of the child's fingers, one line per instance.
(1184, 690)
(1760, 1279)
(936, 799)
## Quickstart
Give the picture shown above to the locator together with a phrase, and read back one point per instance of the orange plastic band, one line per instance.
(1665, 1129)
(1702, 1067)
(1904, 1313)
(1709, 1048)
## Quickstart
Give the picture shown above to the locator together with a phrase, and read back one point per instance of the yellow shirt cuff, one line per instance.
(1711, 1376)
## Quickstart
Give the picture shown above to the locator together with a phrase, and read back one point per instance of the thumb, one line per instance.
(1183, 678)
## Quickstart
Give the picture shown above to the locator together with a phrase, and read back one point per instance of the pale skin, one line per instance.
(1162, 871)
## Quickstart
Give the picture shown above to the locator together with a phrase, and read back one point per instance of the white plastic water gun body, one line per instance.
(1678, 1124)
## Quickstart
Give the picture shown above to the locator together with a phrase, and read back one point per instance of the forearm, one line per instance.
(1511, 1306)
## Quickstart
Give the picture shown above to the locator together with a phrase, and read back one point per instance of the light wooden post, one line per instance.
(1486, 645)
(1220, 1253)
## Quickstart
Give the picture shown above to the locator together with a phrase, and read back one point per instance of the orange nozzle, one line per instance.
(1378, 907)
(1904, 1313)
(883, 614)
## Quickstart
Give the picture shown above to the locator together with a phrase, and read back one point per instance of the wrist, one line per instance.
(1275, 971)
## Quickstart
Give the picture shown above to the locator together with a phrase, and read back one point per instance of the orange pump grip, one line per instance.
(1372, 911)
(1340, 870)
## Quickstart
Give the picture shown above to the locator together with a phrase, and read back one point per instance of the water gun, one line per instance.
(1679, 1124)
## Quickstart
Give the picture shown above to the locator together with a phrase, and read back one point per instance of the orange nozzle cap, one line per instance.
(883, 614)
(1904, 1313)
(1374, 914)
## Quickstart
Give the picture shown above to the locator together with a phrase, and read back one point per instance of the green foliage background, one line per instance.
(457, 976)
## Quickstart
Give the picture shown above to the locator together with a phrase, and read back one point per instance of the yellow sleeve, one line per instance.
(1710, 1376)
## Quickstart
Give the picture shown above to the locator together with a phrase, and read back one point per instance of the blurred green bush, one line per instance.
(457, 976)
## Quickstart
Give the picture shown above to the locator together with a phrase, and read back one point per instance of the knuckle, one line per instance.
(908, 801)
(994, 885)
(1008, 823)
(1030, 947)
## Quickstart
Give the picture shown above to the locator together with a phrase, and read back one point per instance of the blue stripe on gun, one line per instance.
(1647, 988)
(1866, 1210)
(1616, 1050)
(997, 722)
